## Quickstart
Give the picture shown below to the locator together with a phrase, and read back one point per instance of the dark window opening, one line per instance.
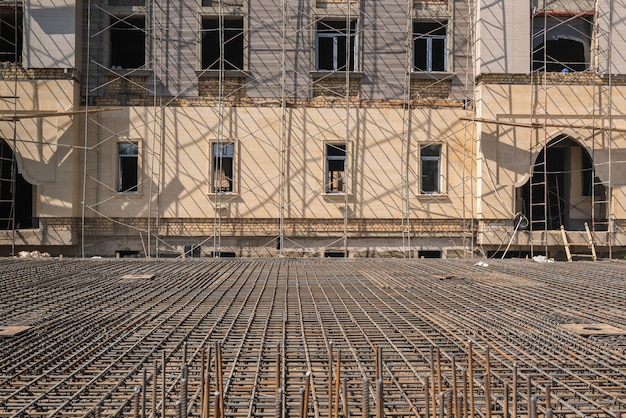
(335, 168)
(223, 254)
(335, 254)
(128, 42)
(126, 254)
(127, 2)
(223, 168)
(562, 55)
(128, 160)
(561, 43)
(11, 32)
(233, 44)
(336, 47)
(429, 254)
(430, 169)
(429, 46)
(193, 251)
(21, 204)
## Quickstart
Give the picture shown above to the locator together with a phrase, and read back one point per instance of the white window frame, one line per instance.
(347, 33)
(212, 166)
(328, 189)
(441, 174)
(429, 47)
(120, 170)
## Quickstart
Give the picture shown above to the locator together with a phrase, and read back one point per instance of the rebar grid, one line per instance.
(316, 338)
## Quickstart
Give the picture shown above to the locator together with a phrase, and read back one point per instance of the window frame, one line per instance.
(429, 37)
(121, 169)
(212, 167)
(441, 173)
(335, 35)
(328, 182)
(571, 27)
(240, 33)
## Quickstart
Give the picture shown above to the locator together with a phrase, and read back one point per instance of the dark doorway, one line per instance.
(559, 191)
(23, 190)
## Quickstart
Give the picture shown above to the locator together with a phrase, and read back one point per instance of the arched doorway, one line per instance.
(565, 195)
(23, 191)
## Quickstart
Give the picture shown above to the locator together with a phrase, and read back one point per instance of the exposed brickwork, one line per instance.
(11, 71)
(430, 89)
(255, 227)
(135, 85)
(316, 102)
(572, 78)
(336, 87)
(234, 88)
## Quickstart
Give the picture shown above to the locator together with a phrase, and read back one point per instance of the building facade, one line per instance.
(312, 128)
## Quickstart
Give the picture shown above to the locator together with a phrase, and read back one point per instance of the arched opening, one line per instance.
(565, 195)
(23, 193)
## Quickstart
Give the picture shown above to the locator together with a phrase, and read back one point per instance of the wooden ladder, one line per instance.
(591, 245)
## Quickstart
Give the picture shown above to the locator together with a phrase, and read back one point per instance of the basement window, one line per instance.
(222, 168)
(335, 45)
(430, 169)
(232, 37)
(11, 32)
(562, 43)
(430, 46)
(335, 168)
(128, 163)
(128, 42)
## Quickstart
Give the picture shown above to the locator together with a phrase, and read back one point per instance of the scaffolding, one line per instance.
(155, 153)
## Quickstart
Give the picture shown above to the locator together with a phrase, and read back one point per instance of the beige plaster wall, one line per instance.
(506, 152)
(177, 162)
(50, 33)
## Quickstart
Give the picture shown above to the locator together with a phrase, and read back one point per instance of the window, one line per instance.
(11, 34)
(335, 168)
(333, 41)
(128, 163)
(430, 46)
(233, 43)
(567, 43)
(223, 168)
(128, 42)
(430, 169)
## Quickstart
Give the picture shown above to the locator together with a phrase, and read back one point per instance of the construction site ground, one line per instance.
(312, 337)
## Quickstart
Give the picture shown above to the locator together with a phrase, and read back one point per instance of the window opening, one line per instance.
(233, 43)
(332, 40)
(223, 168)
(128, 42)
(430, 169)
(11, 26)
(429, 46)
(128, 156)
(335, 168)
(567, 44)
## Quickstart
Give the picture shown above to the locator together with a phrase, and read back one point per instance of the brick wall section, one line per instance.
(137, 85)
(9, 71)
(430, 89)
(336, 86)
(121, 227)
(573, 79)
(234, 88)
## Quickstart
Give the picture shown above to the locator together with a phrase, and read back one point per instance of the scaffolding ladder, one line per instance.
(601, 216)
(539, 190)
